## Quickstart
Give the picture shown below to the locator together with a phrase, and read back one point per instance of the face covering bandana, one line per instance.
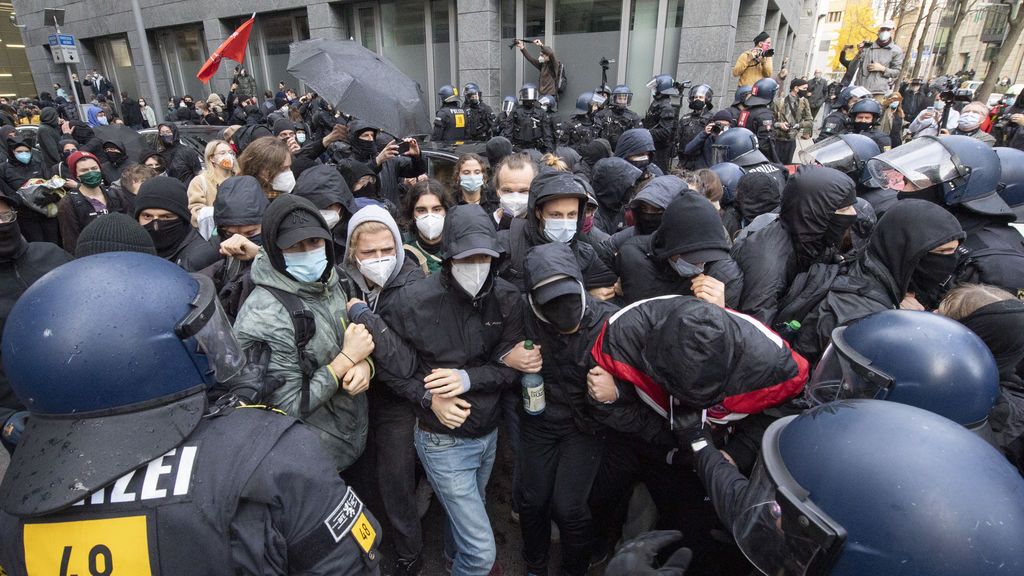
(514, 203)
(227, 162)
(91, 179)
(588, 223)
(685, 269)
(23, 157)
(837, 228)
(167, 139)
(642, 163)
(10, 240)
(300, 138)
(697, 105)
(646, 223)
(256, 239)
(884, 36)
(378, 270)
(471, 276)
(306, 266)
(367, 191)
(166, 234)
(859, 127)
(283, 182)
(331, 217)
(67, 153)
(559, 230)
(471, 182)
(363, 150)
(115, 156)
(430, 226)
(564, 313)
(933, 277)
(969, 122)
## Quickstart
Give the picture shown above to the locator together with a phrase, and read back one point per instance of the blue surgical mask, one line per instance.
(300, 138)
(559, 230)
(894, 105)
(471, 182)
(23, 157)
(306, 266)
(102, 120)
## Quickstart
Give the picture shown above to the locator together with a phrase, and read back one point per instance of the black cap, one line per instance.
(761, 37)
(554, 287)
(283, 124)
(797, 82)
(113, 232)
(164, 193)
(300, 225)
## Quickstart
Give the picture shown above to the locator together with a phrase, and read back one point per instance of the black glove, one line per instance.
(636, 557)
(688, 427)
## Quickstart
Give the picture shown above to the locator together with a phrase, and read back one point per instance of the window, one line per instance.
(534, 14)
(996, 17)
(182, 52)
(403, 41)
(643, 27)
(585, 31)
(836, 16)
(825, 46)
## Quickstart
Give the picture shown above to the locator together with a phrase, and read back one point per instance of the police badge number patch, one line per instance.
(345, 515)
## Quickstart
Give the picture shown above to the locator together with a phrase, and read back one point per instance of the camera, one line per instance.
(605, 63)
(768, 53)
(716, 128)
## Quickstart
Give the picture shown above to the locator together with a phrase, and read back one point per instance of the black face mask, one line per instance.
(646, 223)
(368, 191)
(67, 153)
(641, 164)
(697, 105)
(801, 93)
(933, 277)
(11, 242)
(859, 127)
(837, 228)
(115, 156)
(933, 194)
(564, 312)
(167, 234)
(363, 150)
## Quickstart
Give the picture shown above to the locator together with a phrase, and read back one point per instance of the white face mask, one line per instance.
(514, 203)
(471, 276)
(430, 225)
(331, 217)
(884, 36)
(378, 270)
(283, 182)
(558, 230)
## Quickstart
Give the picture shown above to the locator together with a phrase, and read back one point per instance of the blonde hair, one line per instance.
(368, 227)
(554, 162)
(965, 300)
(213, 176)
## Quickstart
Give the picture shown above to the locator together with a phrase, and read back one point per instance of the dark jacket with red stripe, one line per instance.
(700, 354)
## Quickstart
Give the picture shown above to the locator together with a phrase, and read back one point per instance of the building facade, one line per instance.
(435, 42)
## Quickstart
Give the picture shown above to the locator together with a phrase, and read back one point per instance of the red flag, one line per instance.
(233, 48)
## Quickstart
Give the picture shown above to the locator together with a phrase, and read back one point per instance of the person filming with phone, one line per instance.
(756, 63)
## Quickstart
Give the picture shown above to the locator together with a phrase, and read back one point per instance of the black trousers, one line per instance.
(785, 150)
(557, 465)
(38, 228)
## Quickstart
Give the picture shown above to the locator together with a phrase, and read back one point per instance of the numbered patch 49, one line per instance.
(350, 517)
(88, 547)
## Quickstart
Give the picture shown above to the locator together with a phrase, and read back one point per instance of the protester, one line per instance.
(90, 200)
(426, 207)
(220, 164)
(161, 207)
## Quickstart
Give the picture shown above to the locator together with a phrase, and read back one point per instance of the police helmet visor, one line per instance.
(507, 106)
(702, 90)
(621, 99)
(719, 154)
(843, 374)
(914, 166)
(528, 94)
(832, 153)
(209, 326)
(598, 99)
(653, 84)
(779, 529)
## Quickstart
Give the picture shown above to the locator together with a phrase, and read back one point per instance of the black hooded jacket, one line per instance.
(771, 257)
(526, 233)
(390, 173)
(880, 278)
(13, 173)
(756, 193)
(613, 180)
(590, 153)
(240, 201)
(451, 329)
(690, 226)
(658, 192)
(181, 162)
(48, 136)
(997, 250)
(324, 186)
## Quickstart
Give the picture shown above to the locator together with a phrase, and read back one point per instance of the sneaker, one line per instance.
(407, 567)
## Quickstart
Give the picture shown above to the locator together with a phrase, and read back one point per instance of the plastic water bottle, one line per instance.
(533, 389)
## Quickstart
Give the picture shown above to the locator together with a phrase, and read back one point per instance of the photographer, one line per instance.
(756, 63)
(880, 61)
(547, 63)
(701, 147)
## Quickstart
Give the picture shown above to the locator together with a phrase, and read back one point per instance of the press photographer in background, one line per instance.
(756, 63)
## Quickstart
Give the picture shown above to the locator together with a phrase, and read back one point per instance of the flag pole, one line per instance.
(147, 62)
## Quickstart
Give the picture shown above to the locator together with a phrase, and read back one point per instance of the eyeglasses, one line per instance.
(8, 217)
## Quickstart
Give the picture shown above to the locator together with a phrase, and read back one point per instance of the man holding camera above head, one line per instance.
(880, 61)
(547, 63)
(756, 63)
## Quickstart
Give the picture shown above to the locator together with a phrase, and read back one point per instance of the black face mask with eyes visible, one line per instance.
(933, 277)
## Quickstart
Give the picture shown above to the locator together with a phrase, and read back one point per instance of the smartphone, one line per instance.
(403, 147)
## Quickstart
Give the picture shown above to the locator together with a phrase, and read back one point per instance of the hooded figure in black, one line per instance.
(175, 240)
(1001, 326)
(325, 187)
(113, 160)
(690, 242)
(898, 261)
(647, 210)
(636, 146)
(14, 173)
(535, 230)
(240, 202)
(21, 264)
(593, 151)
(614, 182)
(390, 173)
(809, 230)
(559, 453)
(757, 193)
(181, 161)
(48, 136)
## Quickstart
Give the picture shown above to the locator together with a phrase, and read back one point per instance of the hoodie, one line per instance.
(808, 208)
(48, 136)
(240, 201)
(613, 179)
(757, 193)
(181, 161)
(659, 192)
(349, 264)
(92, 114)
(634, 141)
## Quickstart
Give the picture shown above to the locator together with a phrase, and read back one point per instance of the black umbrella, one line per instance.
(361, 83)
(128, 139)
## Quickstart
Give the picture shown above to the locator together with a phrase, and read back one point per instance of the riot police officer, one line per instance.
(508, 104)
(739, 146)
(662, 119)
(739, 103)
(529, 126)
(579, 130)
(120, 464)
(480, 117)
(549, 105)
(450, 122)
(616, 118)
(693, 124)
(758, 117)
(864, 118)
(849, 153)
(836, 122)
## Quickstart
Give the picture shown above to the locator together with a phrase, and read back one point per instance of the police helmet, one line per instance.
(470, 89)
(548, 103)
(742, 93)
(867, 105)
(912, 357)
(703, 90)
(869, 487)
(763, 92)
(528, 92)
(729, 174)
(583, 102)
(847, 153)
(112, 378)
(849, 92)
(738, 145)
(1011, 179)
(663, 84)
(448, 94)
(508, 103)
(603, 89)
(965, 169)
(618, 92)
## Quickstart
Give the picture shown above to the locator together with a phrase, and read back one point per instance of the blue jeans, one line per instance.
(458, 469)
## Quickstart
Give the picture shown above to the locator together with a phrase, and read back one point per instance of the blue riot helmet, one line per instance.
(868, 106)
(470, 89)
(729, 174)
(663, 84)
(1011, 179)
(548, 103)
(508, 104)
(847, 153)
(448, 94)
(621, 96)
(742, 93)
(112, 377)
(739, 146)
(869, 487)
(763, 92)
(851, 94)
(912, 357)
(700, 97)
(528, 93)
(951, 170)
(583, 102)
(603, 90)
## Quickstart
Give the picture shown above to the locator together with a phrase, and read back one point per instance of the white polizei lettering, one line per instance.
(97, 497)
(154, 470)
(118, 494)
(184, 476)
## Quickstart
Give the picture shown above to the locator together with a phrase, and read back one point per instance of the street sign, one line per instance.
(62, 40)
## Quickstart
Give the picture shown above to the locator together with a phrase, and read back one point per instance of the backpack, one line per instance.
(305, 328)
(561, 80)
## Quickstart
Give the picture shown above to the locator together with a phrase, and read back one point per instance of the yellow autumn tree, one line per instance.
(858, 25)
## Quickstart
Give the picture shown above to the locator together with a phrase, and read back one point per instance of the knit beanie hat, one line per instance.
(164, 193)
(77, 157)
(113, 232)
